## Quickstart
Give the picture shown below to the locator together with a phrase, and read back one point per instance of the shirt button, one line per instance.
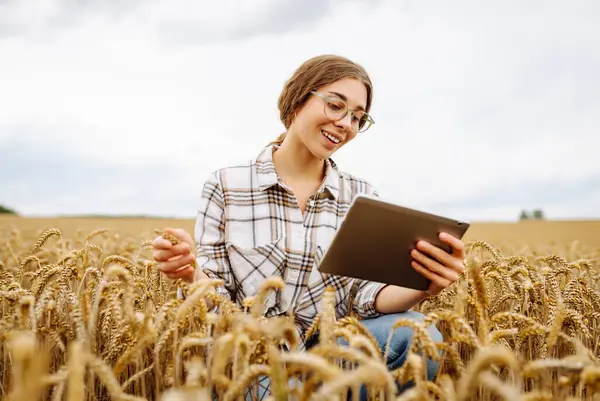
(294, 274)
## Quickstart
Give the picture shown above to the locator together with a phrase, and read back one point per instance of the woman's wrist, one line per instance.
(198, 274)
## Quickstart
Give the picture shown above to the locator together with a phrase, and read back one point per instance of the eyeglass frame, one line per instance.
(326, 98)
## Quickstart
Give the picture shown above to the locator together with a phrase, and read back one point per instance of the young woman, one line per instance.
(276, 214)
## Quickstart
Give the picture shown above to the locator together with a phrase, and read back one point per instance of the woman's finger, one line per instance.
(161, 243)
(180, 233)
(453, 261)
(434, 266)
(183, 272)
(434, 278)
(434, 252)
(176, 250)
(173, 265)
(455, 243)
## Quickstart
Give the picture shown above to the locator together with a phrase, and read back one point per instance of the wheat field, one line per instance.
(86, 316)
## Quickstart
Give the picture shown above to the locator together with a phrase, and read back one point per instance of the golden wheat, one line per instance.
(90, 318)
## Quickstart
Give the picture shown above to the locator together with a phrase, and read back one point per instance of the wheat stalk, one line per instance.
(522, 326)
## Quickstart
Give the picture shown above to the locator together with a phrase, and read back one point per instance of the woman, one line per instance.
(276, 214)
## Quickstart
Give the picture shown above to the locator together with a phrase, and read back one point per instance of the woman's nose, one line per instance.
(346, 121)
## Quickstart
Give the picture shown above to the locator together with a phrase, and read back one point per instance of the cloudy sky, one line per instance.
(126, 106)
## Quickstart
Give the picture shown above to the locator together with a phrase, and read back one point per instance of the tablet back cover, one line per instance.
(376, 237)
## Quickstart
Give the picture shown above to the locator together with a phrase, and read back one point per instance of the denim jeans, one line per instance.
(400, 344)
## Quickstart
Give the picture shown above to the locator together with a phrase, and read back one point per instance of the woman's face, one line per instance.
(315, 123)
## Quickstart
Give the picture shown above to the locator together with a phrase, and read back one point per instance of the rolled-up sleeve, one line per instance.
(364, 302)
(211, 252)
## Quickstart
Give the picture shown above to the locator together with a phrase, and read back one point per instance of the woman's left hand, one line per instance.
(438, 265)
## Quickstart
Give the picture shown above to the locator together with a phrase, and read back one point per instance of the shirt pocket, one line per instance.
(318, 281)
(252, 266)
(324, 239)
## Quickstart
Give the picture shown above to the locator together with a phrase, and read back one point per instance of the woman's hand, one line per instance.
(437, 265)
(175, 261)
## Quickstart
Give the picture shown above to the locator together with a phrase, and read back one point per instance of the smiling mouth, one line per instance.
(330, 137)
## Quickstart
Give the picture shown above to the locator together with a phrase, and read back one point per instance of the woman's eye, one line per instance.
(361, 117)
(335, 106)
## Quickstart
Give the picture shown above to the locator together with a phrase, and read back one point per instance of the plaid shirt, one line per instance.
(250, 227)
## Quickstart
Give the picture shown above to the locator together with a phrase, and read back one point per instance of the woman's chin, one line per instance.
(323, 153)
(322, 148)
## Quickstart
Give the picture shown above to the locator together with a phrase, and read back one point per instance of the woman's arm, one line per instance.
(212, 259)
(394, 299)
(207, 252)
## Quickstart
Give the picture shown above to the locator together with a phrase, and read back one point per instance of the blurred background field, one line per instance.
(513, 235)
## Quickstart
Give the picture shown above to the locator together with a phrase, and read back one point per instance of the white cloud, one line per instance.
(469, 97)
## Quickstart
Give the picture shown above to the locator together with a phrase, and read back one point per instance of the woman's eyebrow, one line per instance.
(345, 99)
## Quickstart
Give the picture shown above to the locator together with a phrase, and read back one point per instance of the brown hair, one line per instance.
(312, 75)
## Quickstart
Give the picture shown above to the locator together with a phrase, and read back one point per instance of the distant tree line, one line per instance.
(6, 210)
(536, 214)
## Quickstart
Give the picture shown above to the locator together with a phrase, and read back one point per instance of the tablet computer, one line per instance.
(376, 237)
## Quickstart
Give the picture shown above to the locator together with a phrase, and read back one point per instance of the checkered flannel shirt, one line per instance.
(250, 227)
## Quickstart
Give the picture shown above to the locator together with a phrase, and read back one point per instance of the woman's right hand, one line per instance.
(175, 261)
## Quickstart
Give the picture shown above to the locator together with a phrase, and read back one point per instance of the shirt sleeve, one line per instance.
(211, 253)
(364, 301)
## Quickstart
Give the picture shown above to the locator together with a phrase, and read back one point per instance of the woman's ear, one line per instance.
(294, 116)
(298, 110)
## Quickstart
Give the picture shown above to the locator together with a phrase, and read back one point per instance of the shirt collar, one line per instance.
(267, 176)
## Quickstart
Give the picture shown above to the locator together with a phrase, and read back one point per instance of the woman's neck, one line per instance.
(294, 162)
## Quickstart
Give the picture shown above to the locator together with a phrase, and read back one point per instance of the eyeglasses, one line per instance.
(337, 109)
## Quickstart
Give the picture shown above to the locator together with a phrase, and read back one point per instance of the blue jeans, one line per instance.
(400, 343)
